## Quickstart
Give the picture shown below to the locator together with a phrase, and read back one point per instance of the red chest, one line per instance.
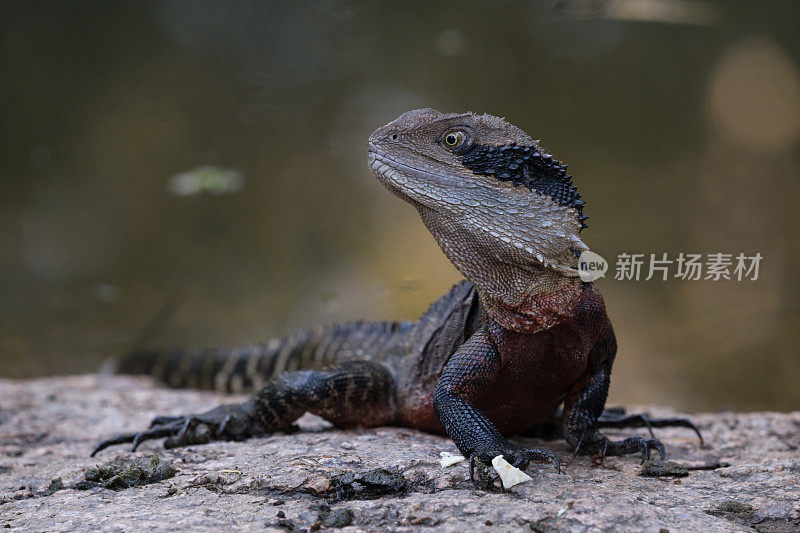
(536, 372)
(536, 369)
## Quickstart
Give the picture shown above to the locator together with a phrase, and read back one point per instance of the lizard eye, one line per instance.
(455, 139)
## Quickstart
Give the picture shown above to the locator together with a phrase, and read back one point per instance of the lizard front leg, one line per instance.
(474, 365)
(347, 394)
(584, 406)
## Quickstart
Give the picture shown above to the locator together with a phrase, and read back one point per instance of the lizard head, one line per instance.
(482, 186)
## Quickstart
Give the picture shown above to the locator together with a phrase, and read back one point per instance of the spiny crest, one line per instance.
(527, 166)
(502, 129)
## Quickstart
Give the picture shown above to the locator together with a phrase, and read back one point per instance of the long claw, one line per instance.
(646, 422)
(472, 468)
(120, 439)
(578, 447)
(187, 426)
(621, 420)
(164, 420)
(662, 452)
(679, 422)
(150, 434)
(556, 463)
(699, 435)
(223, 426)
(544, 456)
(617, 418)
(500, 485)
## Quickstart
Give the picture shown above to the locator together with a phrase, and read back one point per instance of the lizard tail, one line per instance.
(248, 368)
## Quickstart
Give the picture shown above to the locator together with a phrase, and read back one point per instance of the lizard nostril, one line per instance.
(394, 136)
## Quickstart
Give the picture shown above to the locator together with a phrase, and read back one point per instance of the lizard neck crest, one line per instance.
(527, 166)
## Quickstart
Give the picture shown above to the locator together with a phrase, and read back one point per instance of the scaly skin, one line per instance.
(496, 356)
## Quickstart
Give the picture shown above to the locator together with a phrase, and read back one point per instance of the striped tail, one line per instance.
(248, 368)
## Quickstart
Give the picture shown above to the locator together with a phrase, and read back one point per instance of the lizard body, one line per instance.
(496, 356)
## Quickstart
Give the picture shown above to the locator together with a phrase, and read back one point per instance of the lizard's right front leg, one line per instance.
(347, 394)
(475, 365)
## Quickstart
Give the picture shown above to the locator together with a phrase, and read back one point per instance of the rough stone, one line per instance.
(745, 479)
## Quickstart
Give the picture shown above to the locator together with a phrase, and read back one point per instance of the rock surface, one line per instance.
(746, 479)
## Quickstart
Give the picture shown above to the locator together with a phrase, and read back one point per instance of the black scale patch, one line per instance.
(524, 165)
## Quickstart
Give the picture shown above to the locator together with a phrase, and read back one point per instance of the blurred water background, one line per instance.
(200, 167)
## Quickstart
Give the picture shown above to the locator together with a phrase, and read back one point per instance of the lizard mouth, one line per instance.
(386, 169)
(396, 174)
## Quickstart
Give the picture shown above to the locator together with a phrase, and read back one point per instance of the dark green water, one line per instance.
(681, 125)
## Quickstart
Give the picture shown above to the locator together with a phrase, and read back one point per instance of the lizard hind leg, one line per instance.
(618, 418)
(347, 394)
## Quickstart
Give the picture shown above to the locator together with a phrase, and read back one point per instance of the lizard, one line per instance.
(521, 342)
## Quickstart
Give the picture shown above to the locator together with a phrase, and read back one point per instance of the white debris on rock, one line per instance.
(509, 475)
(449, 459)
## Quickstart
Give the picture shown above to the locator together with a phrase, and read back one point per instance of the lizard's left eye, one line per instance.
(455, 139)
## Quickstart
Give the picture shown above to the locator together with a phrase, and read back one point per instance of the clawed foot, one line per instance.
(593, 442)
(225, 422)
(617, 418)
(516, 456)
(604, 446)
